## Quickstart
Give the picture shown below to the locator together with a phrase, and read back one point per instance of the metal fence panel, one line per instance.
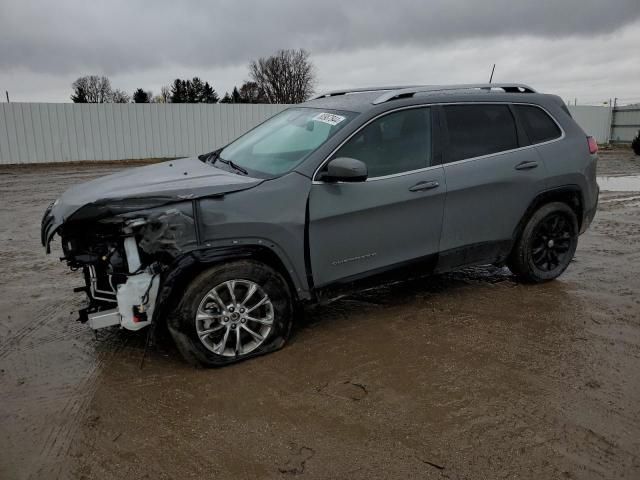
(62, 132)
(594, 120)
(626, 123)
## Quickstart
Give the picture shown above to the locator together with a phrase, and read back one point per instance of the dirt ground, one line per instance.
(461, 376)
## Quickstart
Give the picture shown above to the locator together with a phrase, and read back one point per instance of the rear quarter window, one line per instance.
(477, 130)
(538, 125)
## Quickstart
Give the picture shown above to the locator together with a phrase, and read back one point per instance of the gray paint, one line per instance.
(271, 216)
(487, 196)
(164, 183)
(353, 228)
(566, 161)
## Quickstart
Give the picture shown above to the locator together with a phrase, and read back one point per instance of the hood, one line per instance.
(144, 187)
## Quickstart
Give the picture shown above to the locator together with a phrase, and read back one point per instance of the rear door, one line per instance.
(393, 217)
(492, 177)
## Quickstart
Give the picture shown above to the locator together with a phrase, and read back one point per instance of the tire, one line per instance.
(255, 325)
(546, 245)
(635, 144)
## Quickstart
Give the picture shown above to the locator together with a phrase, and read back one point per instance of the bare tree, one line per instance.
(251, 93)
(286, 77)
(165, 93)
(118, 96)
(92, 89)
(163, 97)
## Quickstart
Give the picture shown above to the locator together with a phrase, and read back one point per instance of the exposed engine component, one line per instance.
(137, 299)
(122, 259)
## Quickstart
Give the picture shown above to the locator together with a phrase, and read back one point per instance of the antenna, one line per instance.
(492, 70)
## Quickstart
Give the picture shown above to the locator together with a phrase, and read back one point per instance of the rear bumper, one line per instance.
(589, 213)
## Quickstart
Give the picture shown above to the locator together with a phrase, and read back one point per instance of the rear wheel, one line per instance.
(547, 244)
(232, 312)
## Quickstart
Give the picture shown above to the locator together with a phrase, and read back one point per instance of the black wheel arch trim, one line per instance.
(184, 268)
(554, 194)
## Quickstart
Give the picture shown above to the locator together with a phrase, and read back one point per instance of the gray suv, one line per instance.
(338, 193)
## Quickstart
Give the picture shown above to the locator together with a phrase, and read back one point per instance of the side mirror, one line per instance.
(344, 169)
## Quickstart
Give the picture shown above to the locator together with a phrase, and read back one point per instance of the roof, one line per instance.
(364, 99)
(355, 102)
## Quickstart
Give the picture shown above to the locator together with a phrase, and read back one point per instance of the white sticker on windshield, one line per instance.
(329, 118)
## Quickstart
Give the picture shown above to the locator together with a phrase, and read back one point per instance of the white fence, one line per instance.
(594, 120)
(625, 123)
(62, 132)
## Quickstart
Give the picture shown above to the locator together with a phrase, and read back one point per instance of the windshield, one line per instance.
(285, 140)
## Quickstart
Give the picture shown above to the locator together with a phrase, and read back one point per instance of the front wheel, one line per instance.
(232, 312)
(547, 244)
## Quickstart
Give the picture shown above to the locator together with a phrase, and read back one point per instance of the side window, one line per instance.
(538, 125)
(395, 143)
(476, 130)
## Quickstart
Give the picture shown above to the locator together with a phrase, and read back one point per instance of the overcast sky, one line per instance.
(584, 49)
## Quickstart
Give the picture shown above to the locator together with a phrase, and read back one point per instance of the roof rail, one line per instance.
(334, 93)
(411, 91)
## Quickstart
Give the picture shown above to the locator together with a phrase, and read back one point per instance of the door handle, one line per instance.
(422, 186)
(527, 165)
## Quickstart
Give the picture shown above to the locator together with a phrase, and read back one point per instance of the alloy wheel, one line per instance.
(551, 242)
(234, 318)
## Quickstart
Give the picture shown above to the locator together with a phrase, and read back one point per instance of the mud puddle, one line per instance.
(461, 376)
(619, 183)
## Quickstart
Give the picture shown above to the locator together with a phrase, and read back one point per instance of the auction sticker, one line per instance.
(329, 118)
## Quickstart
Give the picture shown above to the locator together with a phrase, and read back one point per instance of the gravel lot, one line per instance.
(460, 376)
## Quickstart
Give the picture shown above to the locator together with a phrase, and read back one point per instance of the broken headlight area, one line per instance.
(122, 259)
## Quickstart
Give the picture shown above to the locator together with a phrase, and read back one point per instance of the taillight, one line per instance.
(593, 145)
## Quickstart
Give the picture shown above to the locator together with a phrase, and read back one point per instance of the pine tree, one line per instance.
(235, 96)
(140, 96)
(226, 98)
(208, 95)
(190, 95)
(192, 91)
(178, 94)
(196, 90)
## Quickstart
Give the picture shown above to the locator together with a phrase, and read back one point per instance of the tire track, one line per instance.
(50, 313)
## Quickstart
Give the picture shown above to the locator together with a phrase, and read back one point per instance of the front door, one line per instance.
(393, 217)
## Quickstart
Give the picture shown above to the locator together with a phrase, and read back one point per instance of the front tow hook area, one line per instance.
(103, 319)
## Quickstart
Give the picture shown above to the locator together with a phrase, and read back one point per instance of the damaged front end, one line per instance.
(122, 258)
(125, 230)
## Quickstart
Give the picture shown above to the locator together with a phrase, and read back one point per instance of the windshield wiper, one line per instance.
(210, 157)
(237, 168)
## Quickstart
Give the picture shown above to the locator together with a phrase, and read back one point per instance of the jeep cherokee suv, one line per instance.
(350, 186)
